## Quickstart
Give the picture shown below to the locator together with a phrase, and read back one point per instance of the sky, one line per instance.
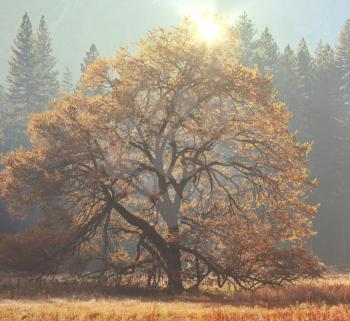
(75, 24)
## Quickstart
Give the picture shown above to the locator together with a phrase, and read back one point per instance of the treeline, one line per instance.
(32, 81)
(315, 86)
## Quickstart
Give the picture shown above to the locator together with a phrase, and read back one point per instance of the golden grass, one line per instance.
(320, 300)
(132, 309)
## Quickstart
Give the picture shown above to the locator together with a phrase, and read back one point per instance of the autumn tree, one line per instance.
(182, 167)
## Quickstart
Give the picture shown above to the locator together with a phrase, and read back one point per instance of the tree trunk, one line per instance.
(168, 249)
(174, 263)
(174, 270)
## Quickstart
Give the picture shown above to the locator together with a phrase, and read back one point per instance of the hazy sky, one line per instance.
(75, 24)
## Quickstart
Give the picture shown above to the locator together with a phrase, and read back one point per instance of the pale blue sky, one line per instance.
(75, 24)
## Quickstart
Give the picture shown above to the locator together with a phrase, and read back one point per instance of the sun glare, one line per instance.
(207, 26)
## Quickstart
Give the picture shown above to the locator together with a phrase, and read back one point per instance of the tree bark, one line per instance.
(169, 251)
(174, 270)
(174, 262)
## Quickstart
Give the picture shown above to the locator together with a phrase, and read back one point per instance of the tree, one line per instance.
(21, 85)
(266, 54)
(286, 78)
(90, 56)
(2, 114)
(67, 81)
(343, 64)
(245, 30)
(304, 69)
(184, 167)
(21, 80)
(326, 131)
(45, 73)
(2, 99)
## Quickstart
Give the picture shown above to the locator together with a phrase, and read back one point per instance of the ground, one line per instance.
(319, 300)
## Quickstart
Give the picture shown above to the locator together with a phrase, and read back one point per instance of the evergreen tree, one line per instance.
(22, 85)
(304, 69)
(90, 56)
(343, 64)
(2, 98)
(245, 30)
(2, 115)
(286, 79)
(45, 73)
(21, 80)
(266, 53)
(329, 150)
(67, 81)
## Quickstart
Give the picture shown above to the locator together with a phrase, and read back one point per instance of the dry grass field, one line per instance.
(321, 300)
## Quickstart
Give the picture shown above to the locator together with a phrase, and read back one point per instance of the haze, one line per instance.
(75, 24)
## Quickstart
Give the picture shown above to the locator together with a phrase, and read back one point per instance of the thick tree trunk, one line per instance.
(168, 249)
(174, 262)
(174, 270)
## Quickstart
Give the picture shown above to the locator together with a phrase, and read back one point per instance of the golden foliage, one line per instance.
(174, 138)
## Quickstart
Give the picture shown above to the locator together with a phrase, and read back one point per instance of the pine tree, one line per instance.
(2, 115)
(304, 69)
(286, 79)
(342, 57)
(245, 30)
(67, 81)
(21, 80)
(2, 98)
(327, 157)
(266, 53)
(343, 65)
(45, 73)
(21, 87)
(324, 126)
(90, 56)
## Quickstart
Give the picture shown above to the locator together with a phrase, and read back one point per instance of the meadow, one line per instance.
(319, 300)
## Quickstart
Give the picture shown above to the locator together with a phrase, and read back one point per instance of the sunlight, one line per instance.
(207, 26)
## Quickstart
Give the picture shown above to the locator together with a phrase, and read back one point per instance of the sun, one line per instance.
(207, 25)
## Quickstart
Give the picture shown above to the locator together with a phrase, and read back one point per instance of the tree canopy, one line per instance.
(178, 163)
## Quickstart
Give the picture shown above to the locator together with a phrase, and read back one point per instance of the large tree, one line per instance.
(183, 166)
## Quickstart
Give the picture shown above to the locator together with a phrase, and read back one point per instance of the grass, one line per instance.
(137, 309)
(320, 300)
